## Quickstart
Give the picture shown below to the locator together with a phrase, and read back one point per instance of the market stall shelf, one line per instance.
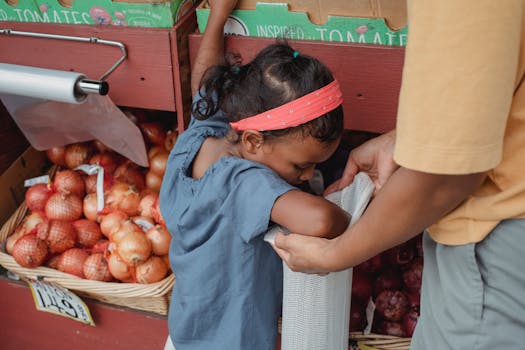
(155, 75)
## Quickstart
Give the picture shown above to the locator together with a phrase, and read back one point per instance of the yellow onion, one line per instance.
(37, 195)
(27, 226)
(58, 234)
(88, 232)
(77, 154)
(152, 270)
(57, 155)
(118, 268)
(160, 239)
(124, 197)
(157, 163)
(63, 206)
(130, 173)
(111, 221)
(69, 181)
(146, 204)
(72, 261)
(30, 251)
(90, 206)
(96, 268)
(133, 247)
(153, 181)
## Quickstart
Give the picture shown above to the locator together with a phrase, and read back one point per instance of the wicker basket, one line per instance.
(152, 297)
(380, 341)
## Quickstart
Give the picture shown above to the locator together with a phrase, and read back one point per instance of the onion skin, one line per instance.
(151, 271)
(153, 181)
(57, 155)
(160, 239)
(77, 154)
(37, 195)
(134, 247)
(124, 197)
(29, 225)
(90, 207)
(171, 139)
(157, 163)
(118, 268)
(96, 268)
(153, 132)
(58, 234)
(146, 204)
(130, 173)
(392, 305)
(30, 251)
(88, 232)
(62, 206)
(72, 261)
(112, 221)
(69, 181)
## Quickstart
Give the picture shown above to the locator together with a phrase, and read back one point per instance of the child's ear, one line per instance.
(252, 140)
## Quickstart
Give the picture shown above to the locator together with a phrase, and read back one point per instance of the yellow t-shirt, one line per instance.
(461, 110)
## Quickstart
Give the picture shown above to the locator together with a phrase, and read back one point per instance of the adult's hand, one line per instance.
(303, 253)
(374, 157)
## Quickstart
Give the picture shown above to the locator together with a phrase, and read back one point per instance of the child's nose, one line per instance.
(307, 173)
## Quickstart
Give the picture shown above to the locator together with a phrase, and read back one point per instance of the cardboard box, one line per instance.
(136, 13)
(31, 163)
(380, 22)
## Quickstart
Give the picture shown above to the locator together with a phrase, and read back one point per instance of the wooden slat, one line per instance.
(370, 75)
(144, 79)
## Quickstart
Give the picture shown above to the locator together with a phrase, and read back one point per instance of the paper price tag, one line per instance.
(51, 298)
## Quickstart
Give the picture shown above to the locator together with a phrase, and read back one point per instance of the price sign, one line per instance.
(51, 298)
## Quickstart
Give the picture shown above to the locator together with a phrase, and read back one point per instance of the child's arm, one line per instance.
(211, 50)
(308, 214)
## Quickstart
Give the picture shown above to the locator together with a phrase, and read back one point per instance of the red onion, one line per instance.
(409, 323)
(388, 279)
(362, 287)
(371, 265)
(399, 255)
(390, 328)
(413, 274)
(357, 315)
(392, 305)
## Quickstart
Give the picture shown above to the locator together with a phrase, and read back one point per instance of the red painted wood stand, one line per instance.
(369, 75)
(24, 327)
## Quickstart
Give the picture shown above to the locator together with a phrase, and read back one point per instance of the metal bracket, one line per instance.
(85, 86)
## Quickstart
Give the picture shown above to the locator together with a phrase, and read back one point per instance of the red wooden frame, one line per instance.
(370, 75)
(155, 74)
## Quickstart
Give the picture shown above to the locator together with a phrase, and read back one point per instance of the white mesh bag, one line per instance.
(316, 309)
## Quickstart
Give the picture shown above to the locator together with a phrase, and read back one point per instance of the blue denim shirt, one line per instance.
(228, 289)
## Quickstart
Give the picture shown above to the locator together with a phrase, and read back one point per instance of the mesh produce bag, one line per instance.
(316, 309)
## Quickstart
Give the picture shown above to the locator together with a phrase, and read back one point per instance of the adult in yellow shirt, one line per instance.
(455, 165)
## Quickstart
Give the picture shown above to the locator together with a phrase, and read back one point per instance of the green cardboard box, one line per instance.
(273, 19)
(136, 13)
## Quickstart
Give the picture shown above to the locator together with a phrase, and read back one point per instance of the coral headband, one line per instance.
(296, 112)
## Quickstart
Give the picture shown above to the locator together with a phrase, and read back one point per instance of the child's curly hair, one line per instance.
(276, 76)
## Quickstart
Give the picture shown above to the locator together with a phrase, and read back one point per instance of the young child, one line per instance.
(256, 131)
